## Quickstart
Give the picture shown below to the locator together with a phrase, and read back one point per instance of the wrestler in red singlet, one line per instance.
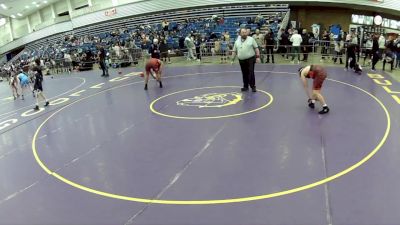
(153, 66)
(318, 74)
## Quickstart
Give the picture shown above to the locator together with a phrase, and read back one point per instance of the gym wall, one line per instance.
(326, 16)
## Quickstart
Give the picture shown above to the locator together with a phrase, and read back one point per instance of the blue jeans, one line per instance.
(397, 60)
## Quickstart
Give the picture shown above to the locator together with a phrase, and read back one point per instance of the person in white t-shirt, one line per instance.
(68, 61)
(382, 43)
(296, 40)
(368, 51)
(117, 50)
(189, 44)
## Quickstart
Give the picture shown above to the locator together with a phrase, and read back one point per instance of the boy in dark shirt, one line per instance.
(37, 86)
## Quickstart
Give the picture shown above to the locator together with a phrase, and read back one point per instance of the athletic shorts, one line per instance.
(319, 80)
(152, 66)
(38, 87)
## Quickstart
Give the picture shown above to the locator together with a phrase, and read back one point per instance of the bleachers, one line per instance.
(233, 17)
(240, 11)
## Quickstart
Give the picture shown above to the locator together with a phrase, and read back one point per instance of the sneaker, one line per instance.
(47, 103)
(311, 105)
(244, 89)
(36, 108)
(22, 97)
(161, 86)
(253, 89)
(145, 87)
(324, 110)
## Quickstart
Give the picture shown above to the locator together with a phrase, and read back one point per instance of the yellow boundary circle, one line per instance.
(218, 201)
(271, 99)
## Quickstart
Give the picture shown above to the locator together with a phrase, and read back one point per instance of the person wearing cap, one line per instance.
(318, 74)
(247, 51)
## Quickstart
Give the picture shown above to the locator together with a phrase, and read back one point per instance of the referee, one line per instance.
(247, 51)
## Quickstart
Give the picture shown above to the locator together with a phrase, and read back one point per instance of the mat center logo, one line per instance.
(212, 100)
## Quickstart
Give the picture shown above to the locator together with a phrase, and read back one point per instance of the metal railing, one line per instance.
(216, 52)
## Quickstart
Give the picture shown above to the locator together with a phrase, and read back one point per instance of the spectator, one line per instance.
(165, 25)
(368, 50)
(375, 51)
(227, 37)
(389, 53)
(217, 47)
(283, 43)
(354, 39)
(325, 44)
(296, 42)
(339, 44)
(213, 36)
(305, 45)
(269, 45)
(397, 45)
(349, 36)
(68, 61)
(164, 51)
(198, 43)
(259, 38)
(189, 44)
(259, 20)
(224, 50)
(102, 61)
(154, 50)
(382, 43)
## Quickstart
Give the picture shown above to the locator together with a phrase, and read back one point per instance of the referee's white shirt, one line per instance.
(245, 49)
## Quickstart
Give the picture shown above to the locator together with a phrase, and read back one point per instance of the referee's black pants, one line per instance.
(247, 67)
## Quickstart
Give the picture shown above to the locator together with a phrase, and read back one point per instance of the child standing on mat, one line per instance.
(13, 82)
(318, 74)
(24, 83)
(153, 67)
(37, 85)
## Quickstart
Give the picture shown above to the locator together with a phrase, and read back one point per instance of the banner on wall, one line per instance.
(316, 30)
(293, 23)
(111, 12)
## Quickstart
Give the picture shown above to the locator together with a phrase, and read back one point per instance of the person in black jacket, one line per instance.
(283, 42)
(375, 51)
(351, 59)
(37, 87)
(325, 44)
(305, 45)
(102, 61)
(389, 54)
(397, 45)
(154, 50)
(269, 45)
(197, 43)
(164, 50)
